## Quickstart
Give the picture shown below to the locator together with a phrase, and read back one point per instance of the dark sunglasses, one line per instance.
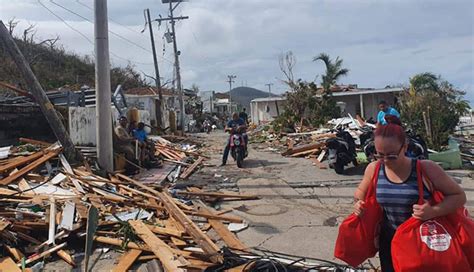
(391, 157)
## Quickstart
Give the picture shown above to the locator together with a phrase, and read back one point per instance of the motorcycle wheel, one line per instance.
(339, 168)
(239, 157)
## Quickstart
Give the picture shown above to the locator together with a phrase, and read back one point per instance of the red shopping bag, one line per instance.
(462, 223)
(358, 237)
(433, 245)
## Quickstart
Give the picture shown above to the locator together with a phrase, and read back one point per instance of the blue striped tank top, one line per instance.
(397, 199)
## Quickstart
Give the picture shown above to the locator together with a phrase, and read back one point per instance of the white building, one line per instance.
(353, 100)
(264, 110)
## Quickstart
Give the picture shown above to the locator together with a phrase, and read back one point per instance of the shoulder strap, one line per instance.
(422, 180)
(375, 177)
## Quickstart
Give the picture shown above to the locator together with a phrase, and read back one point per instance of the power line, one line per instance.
(85, 36)
(118, 35)
(111, 32)
(66, 23)
(111, 19)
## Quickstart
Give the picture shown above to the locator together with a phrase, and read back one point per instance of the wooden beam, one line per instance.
(165, 231)
(127, 260)
(30, 167)
(191, 169)
(199, 237)
(15, 252)
(226, 235)
(20, 161)
(159, 248)
(218, 194)
(8, 265)
(34, 142)
(17, 90)
(302, 148)
(66, 257)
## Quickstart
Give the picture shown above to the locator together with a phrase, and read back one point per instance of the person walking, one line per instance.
(385, 109)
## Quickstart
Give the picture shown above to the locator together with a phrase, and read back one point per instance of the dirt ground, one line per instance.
(300, 205)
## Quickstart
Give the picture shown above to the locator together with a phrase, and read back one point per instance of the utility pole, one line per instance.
(157, 71)
(102, 86)
(39, 95)
(269, 89)
(173, 19)
(230, 80)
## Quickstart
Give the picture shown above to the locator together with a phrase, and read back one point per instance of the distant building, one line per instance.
(350, 98)
(217, 103)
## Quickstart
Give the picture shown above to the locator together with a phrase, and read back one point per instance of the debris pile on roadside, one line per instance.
(49, 205)
(466, 147)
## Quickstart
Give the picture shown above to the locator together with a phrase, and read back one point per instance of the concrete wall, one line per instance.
(259, 113)
(82, 124)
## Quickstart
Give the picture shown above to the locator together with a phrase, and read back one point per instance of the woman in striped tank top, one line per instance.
(397, 189)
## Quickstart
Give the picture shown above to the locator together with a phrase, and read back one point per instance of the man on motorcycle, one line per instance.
(235, 124)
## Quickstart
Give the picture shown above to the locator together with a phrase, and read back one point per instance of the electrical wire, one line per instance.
(85, 36)
(110, 31)
(111, 19)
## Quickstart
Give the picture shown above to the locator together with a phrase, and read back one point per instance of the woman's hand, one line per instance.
(424, 212)
(359, 207)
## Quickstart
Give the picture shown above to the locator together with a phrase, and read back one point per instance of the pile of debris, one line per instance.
(466, 147)
(47, 205)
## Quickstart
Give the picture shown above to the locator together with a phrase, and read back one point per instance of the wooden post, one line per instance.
(40, 96)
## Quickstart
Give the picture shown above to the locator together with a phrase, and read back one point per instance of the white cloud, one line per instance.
(381, 42)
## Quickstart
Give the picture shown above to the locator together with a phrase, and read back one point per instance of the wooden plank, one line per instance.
(8, 265)
(159, 248)
(44, 253)
(20, 161)
(224, 233)
(15, 252)
(218, 194)
(311, 151)
(30, 167)
(303, 148)
(199, 237)
(321, 155)
(191, 169)
(66, 257)
(178, 242)
(127, 260)
(34, 142)
(165, 231)
(214, 216)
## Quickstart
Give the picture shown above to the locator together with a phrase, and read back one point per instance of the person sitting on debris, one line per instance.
(244, 116)
(235, 123)
(385, 109)
(123, 141)
(397, 187)
(147, 147)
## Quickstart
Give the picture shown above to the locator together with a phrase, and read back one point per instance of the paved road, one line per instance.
(300, 206)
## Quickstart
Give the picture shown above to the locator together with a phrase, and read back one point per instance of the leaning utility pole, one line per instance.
(173, 19)
(103, 110)
(39, 95)
(157, 71)
(269, 89)
(230, 80)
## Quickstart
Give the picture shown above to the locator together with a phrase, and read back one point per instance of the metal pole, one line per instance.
(178, 74)
(231, 80)
(40, 96)
(157, 71)
(269, 89)
(102, 86)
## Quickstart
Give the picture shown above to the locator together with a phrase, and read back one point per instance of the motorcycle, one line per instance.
(417, 148)
(238, 147)
(342, 150)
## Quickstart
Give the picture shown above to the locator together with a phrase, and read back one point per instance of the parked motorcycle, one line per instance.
(238, 147)
(341, 150)
(207, 126)
(417, 148)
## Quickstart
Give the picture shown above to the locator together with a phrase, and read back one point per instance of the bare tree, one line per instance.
(12, 23)
(29, 33)
(287, 62)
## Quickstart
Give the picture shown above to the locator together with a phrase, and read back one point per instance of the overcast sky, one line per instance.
(381, 42)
